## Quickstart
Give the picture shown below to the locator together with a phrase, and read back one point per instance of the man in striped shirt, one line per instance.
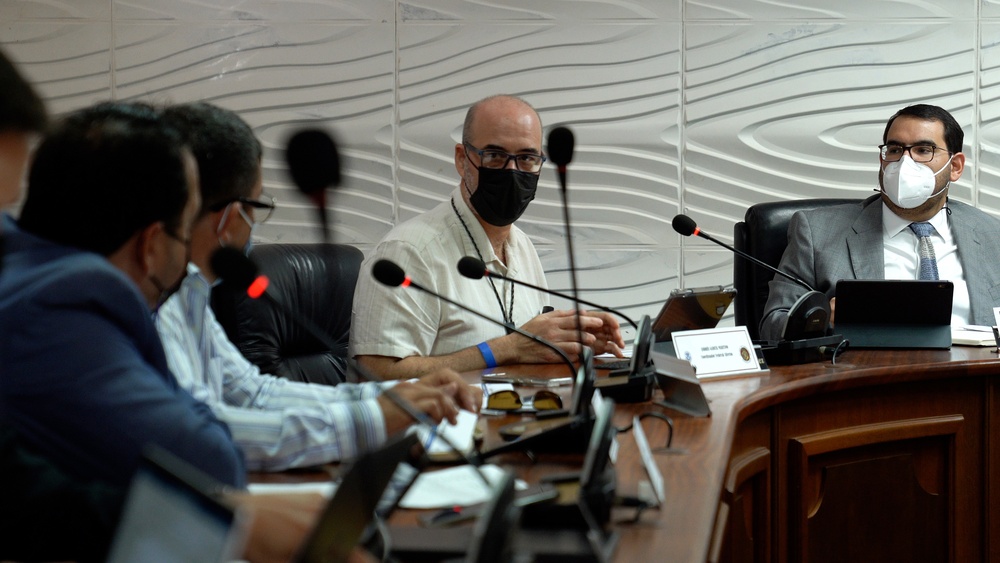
(279, 423)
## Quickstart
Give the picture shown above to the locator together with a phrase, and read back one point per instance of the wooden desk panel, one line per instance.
(750, 485)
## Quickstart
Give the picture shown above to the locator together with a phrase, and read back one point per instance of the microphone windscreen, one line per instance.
(313, 161)
(684, 225)
(560, 146)
(388, 273)
(472, 267)
(233, 267)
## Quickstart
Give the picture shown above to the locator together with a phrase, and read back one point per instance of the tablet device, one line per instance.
(894, 313)
(692, 309)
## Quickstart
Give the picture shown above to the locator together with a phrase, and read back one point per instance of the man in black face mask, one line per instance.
(398, 333)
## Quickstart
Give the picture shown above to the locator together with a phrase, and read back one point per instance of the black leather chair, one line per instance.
(314, 281)
(763, 234)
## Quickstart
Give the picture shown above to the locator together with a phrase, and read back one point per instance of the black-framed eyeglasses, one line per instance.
(493, 158)
(919, 153)
(265, 205)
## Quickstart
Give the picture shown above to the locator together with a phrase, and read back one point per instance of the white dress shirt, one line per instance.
(400, 322)
(902, 257)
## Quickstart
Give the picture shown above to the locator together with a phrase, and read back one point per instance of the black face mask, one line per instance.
(503, 194)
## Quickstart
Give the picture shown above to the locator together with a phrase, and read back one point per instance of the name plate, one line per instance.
(717, 351)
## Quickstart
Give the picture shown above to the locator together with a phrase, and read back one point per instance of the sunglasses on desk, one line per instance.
(510, 401)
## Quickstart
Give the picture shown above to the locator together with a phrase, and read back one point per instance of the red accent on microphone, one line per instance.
(696, 231)
(406, 282)
(258, 287)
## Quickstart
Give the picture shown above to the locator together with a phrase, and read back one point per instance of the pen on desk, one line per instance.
(430, 439)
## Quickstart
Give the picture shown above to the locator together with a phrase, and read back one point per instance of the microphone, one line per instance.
(314, 164)
(804, 336)
(687, 227)
(239, 272)
(474, 268)
(389, 273)
(561, 144)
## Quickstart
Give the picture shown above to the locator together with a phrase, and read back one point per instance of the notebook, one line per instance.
(692, 309)
(894, 313)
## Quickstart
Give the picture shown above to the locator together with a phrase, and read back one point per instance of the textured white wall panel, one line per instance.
(766, 116)
(703, 106)
(882, 10)
(255, 10)
(69, 62)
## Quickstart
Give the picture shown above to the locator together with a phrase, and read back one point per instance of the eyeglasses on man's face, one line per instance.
(260, 209)
(493, 158)
(923, 152)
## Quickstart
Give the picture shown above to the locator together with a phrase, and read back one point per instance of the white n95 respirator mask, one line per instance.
(909, 184)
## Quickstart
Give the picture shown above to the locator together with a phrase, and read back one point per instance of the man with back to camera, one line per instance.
(397, 332)
(39, 498)
(920, 155)
(101, 239)
(279, 423)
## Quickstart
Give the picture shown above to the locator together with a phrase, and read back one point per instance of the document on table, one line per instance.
(972, 335)
(454, 486)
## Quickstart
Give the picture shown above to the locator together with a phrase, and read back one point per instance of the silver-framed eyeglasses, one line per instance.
(919, 153)
(493, 158)
(263, 207)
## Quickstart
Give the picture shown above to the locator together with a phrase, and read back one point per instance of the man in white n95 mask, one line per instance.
(910, 230)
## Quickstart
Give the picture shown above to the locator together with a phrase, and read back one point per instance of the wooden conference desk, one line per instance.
(886, 456)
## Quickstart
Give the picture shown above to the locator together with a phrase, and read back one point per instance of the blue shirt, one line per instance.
(83, 376)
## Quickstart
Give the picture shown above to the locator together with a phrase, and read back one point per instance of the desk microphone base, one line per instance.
(554, 435)
(804, 351)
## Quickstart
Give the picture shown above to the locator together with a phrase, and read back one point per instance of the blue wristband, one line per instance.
(484, 349)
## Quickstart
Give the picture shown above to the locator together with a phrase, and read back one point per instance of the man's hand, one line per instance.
(833, 305)
(438, 403)
(600, 332)
(280, 523)
(468, 397)
(608, 338)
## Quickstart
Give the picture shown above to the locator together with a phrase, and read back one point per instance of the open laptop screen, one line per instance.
(171, 516)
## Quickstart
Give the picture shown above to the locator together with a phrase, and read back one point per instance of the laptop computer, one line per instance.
(894, 313)
(189, 522)
(353, 505)
(692, 309)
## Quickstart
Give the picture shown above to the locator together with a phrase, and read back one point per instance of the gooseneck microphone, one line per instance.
(805, 334)
(314, 164)
(389, 273)
(474, 268)
(561, 144)
(687, 227)
(239, 272)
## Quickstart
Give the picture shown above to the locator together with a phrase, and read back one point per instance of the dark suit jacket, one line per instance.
(845, 242)
(47, 515)
(83, 376)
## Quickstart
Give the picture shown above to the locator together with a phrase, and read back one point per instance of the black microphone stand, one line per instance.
(467, 264)
(232, 261)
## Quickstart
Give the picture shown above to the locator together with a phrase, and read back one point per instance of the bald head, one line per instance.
(496, 111)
